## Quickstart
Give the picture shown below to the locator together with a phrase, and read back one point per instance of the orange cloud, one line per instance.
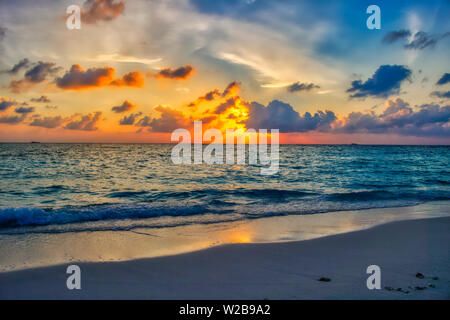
(231, 90)
(78, 79)
(223, 110)
(101, 10)
(124, 107)
(87, 122)
(181, 73)
(47, 122)
(170, 120)
(131, 79)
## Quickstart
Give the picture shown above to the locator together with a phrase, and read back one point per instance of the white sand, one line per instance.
(265, 271)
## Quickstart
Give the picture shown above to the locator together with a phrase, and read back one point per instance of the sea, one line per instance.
(58, 188)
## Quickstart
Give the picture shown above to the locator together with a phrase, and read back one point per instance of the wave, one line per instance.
(266, 202)
(267, 193)
(377, 195)
(16, 217)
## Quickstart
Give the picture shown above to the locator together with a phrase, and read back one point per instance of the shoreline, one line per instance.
(283, 270)
(24, 251)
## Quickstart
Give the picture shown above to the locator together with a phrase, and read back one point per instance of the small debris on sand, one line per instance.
(324, 279)
(420, 288)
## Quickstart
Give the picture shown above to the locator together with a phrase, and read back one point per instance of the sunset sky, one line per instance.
(139, 69)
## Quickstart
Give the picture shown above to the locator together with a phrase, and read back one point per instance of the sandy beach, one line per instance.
(288, 270)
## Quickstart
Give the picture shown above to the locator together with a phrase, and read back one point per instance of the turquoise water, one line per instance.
(70, 187)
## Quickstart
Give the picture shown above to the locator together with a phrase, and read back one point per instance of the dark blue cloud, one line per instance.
(144, 122)
(393, 36)
(385, 81)
(297, 86)
(47, 122)
(24, 110)
(43, 99)
(22, 64)
(399, 118)
(2, 33)
(424, 40)
(441, 94)
(12, 119)
(40, 71)
(124, 107)
(37, 74)
(444, 79)
(419, 41)
(279, 115)
(6, 104)
(129, 120)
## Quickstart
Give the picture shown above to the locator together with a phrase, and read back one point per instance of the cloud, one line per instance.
(384, 82)
(43, 99)
(2, 33)
(6, 103)
(37, 74)
(169, 120)
(12, 119)
(393, 36)
(144, 122)
(116, 57)
(444, 79)
(22, 64)
(423, 40)
(233, 112)
(441, 94)
(124, 107)
(419, 41)
(399, 118)
(297, 86)
(17, 86)
(129, 120)
(24, 110)
(209, 96)
(207, 120)
(47, 122)
(231, 90)
(86, 123)
(94, 11)
(221, 108)
(131, 79)
(180, 73)
(76, 78)
(40, 71)
(279, 115)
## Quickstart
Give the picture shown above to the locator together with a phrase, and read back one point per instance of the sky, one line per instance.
(137, 70)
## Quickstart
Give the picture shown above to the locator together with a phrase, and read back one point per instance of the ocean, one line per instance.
(58, 188)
